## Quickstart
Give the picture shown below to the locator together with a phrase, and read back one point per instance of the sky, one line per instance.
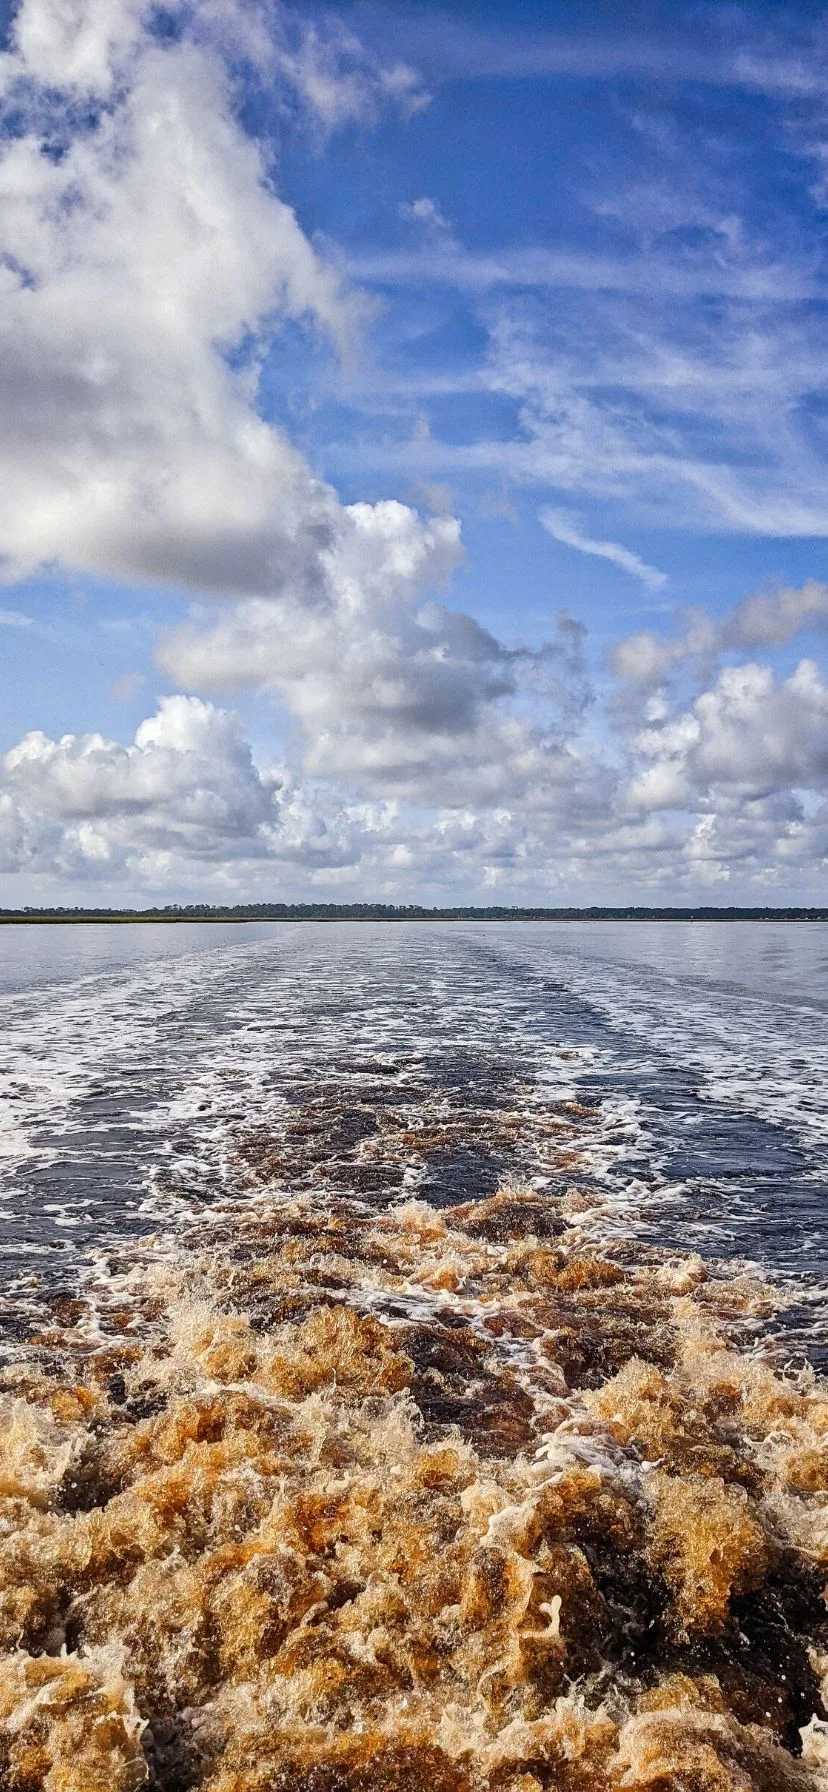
(413, 465)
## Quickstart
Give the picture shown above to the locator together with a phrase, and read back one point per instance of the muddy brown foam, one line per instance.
(326, 1498)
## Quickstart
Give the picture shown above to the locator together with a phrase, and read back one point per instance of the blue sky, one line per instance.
(415, 465)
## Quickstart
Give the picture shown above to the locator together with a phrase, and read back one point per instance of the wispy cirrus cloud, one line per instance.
(784, 57)
(428, 216)
(697, 420)
(692, 275)
(667, 341)
(565, 527)
(16, 619)
(336, 77)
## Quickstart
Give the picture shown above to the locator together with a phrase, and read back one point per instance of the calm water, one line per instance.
(133, 1060)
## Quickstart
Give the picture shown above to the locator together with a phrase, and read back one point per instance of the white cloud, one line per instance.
(132, 263)
(565, 528)
(16, 619)
(186, 788)
(730, 791)
(680, 368)
(135, 261)
(392, 692)
(184, 806)
(690, 423)
(772, 617)
(742, 766)
(427, 214)
(584, 271)
(766, 619)
(644, 658)
(772, 55)
(82, 47)
(631, 396)
(749, 733)
(338, 79)
(745, 768)
(74, 45)
(126, 687)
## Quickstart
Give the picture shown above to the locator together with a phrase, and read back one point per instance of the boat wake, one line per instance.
(332, 1497)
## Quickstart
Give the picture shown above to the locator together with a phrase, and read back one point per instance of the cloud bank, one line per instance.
(147, 264)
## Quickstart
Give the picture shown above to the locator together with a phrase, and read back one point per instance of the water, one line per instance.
(141, 1065)
(517, 1484)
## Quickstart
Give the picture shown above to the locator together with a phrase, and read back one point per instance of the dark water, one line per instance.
(134, 1060)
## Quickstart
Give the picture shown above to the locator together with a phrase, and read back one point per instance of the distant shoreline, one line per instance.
(365, 912)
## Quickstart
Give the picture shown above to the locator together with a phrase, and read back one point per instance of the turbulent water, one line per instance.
(326, 1466)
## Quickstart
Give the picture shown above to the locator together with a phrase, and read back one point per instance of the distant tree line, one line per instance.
(410, 911)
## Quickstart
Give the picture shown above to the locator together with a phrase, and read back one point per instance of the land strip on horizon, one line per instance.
(368, 911)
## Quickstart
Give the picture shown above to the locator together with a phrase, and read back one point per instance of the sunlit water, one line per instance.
(133, 1058)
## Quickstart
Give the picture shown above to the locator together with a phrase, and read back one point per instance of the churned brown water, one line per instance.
(333, 1498)
(403, 1464)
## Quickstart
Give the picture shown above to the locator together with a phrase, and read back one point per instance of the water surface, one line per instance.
(133, 1057)
(388, 1396)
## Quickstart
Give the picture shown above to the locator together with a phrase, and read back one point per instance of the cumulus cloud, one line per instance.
(82, 46)
(134, 258)
(766, 619)
(564, 527)
(646, 658)
(770, 618)
(184, 805)
(756, 733)
(144, 254)
(741, 767)
(393, 692)
(185, 792)
(731, 791)
(73, 45)
(741, 777)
